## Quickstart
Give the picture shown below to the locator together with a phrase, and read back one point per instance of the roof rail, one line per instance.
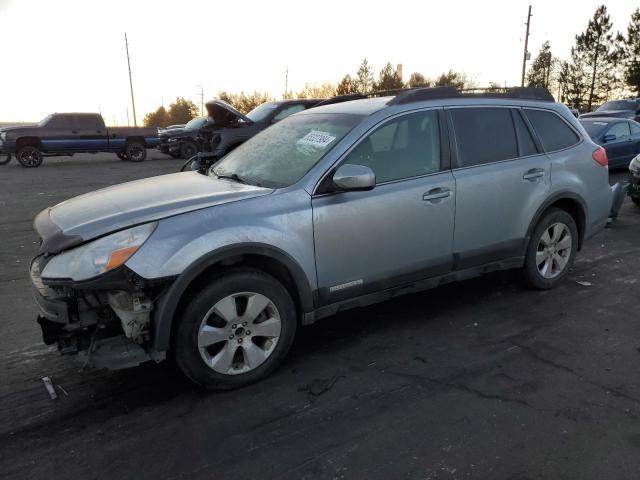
(435, 93)
(341, 98)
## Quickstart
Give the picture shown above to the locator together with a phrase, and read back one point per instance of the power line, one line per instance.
(133, 103)
(526, 47)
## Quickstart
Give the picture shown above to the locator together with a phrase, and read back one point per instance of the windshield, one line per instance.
(261, 111)
(196, 123)
(594, 128)
(618, 105)
(44, 121)
(282, 154)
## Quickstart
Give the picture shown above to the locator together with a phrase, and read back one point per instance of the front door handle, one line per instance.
(533, 175)
(74, 131)
(436, 194)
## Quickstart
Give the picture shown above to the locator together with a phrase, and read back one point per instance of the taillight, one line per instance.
(600, 156)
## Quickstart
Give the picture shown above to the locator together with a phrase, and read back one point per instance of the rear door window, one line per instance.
(635, 128)
(484, 135)
(620, 130)
(554, 132)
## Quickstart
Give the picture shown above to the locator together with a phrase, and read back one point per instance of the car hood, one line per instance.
(177, 132)
(104, 211)
(609, 113)
(17, 127)
(224, 114)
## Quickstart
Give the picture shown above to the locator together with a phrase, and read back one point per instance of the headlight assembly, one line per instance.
(634, 166)
(99, 256)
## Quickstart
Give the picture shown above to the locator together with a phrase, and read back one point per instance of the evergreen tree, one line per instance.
(598, 53)
(159, 118)
(364, 78)
(631, 52)
(347, 85)
(388, 79)
(539, 74)
(181, 111)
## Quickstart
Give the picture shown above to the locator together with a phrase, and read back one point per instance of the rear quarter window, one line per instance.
(554, 132)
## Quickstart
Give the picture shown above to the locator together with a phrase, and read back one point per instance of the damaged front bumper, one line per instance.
(105, 321)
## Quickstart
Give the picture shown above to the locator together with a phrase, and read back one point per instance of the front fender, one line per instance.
(166, 308)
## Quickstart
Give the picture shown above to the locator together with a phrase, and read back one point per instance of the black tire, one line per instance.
(187, 352)
(6, 160)
(636, 200)
(29, 156)
(136, 151)
(188, 149)
(122, 156)
(531, 273)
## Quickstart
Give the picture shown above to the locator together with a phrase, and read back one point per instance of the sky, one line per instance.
(69, 55)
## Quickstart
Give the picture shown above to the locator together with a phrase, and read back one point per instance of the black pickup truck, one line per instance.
(69, 133)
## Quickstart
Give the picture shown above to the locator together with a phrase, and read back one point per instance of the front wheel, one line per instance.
(29, 157)
(136, 152)
(552, 250)
(122, 156)
(188, 149)
(6, 160)
(236, 330)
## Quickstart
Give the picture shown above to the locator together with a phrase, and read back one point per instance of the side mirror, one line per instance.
(350, 177)
(609, 137)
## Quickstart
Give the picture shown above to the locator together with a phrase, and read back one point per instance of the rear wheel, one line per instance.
(29, 156)
(636, 200)
(552, 249)
(236, 330)
(188, 149)
(6, 160)
(136, 152)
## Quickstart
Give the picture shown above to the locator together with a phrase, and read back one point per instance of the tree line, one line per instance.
(603, 64)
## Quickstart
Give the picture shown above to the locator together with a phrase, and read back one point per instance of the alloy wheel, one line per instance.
(554, 250)
(239, 333)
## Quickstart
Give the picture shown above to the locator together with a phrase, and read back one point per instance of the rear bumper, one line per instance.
(618, 192)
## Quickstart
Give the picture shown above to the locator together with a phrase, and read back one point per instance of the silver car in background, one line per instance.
(333, 208)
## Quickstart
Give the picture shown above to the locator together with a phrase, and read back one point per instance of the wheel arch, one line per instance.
(266, 258)
(28, 141)
(571, 203)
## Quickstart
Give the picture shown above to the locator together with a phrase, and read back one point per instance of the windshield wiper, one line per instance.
(236, 178)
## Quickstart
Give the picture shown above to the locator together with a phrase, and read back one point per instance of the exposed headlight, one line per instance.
(99, 256)
(634, 166)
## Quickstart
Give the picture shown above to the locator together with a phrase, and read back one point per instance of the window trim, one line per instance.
(445, 149)
(580, 136)
(455, 159)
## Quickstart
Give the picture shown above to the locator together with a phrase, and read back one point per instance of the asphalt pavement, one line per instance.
(482, 379)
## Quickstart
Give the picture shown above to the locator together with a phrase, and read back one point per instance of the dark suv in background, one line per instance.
(627, 108)
(196, 135)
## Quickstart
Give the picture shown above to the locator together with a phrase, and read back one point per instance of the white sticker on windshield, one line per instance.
(317, 139)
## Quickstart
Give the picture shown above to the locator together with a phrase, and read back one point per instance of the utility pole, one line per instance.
(201, 99)
(133, 103)
(128, 123)
(286, 82)
(526, 54)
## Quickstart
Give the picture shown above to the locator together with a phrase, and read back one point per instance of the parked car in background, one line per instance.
(619, 137)
(633, 190)
(181, 141)
(68, 133)
(336, 207)
(627, 108)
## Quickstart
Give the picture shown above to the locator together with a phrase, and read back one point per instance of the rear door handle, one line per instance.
(436, 194)
(533, 174)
